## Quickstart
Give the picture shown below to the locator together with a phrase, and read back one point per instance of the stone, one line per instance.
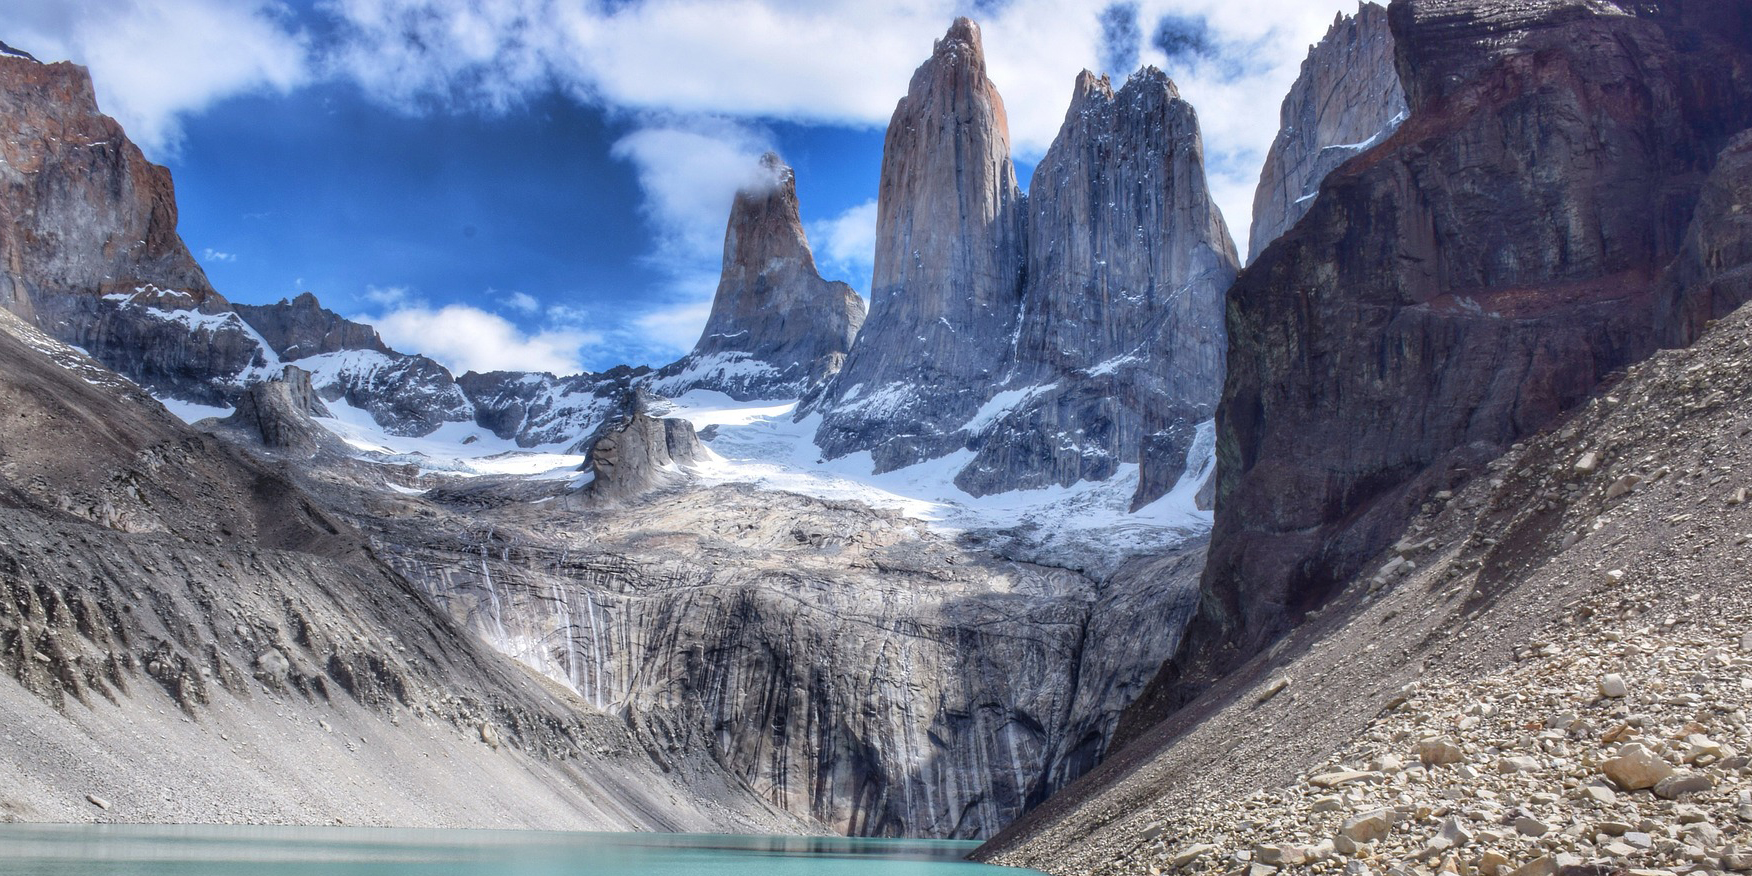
(1517, 764)
(1529, 826)
(1622, 486)
(1544, 865)
(1612, 685)
(97, 801)
(1675, 786)
(489, 734)
(1492, 863)
(1341, 778)
(1600, 795)
(1635, 768)
(1588, 462)
(1280, 854)
(1736, 858)
(1369, 826)
(1191, 853)
(1439, 751)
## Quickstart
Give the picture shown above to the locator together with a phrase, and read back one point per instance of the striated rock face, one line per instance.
(847, 664)
(1120, 339)
(1346, 100)
(196, 620)
(1462, 284)
(948, 268)
(777, 328)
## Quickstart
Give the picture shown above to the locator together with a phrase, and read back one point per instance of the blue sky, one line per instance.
(543, 184)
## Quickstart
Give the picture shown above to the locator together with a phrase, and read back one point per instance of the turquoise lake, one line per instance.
(150, 850)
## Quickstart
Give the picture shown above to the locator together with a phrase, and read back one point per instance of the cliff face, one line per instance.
(1120, 339)
(1346, 100)
(1460, 285)
(849, 665)
(777, 329)
(88, 244)
(948, 268)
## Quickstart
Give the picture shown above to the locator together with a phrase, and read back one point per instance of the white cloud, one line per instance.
(522, 302)
(846, 244)
(690, 170)
(155, 61)
(832, 61)
(383, 296)
(672, 331)
(213, 255)
(465, 338)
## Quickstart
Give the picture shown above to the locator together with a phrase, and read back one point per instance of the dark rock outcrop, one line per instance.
(303, 327)
(948, 272)
(1461, 285)
(640, 453)
(1346, 100)
(777, 329)
(1120, 336)
(278, 412)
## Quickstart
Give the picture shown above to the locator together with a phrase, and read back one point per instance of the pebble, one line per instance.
(1612, 685)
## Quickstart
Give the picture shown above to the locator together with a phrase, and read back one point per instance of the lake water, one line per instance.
(150, 850)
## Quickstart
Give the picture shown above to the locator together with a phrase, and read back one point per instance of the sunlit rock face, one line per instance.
(1346, 100)
(1461, 284)
(777, 329)
(948, 275)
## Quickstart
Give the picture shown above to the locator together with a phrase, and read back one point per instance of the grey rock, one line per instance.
(1119, 348)
(948, 268)
(777, 329)
(1346, 100)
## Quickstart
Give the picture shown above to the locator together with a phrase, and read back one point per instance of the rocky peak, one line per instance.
(948, 267)
(303, 327)
(1346, 100)
(1119, 349)
(278, 412)
(13, 52)
(85, 213)
(776, 328)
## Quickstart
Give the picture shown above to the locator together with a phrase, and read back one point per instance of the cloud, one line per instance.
(673, 331)
(383, 296)
(846, 244)
(690, 170)
(213, 255)
(742, 63)
(153, 63)
(522, 302)
(465, 338)
(1120, 38)
(844, 62)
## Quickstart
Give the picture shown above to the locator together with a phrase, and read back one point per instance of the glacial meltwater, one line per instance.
(201, 850)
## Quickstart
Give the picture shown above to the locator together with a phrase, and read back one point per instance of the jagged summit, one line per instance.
(948, 267)
(1346, 100)
(777, 328)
